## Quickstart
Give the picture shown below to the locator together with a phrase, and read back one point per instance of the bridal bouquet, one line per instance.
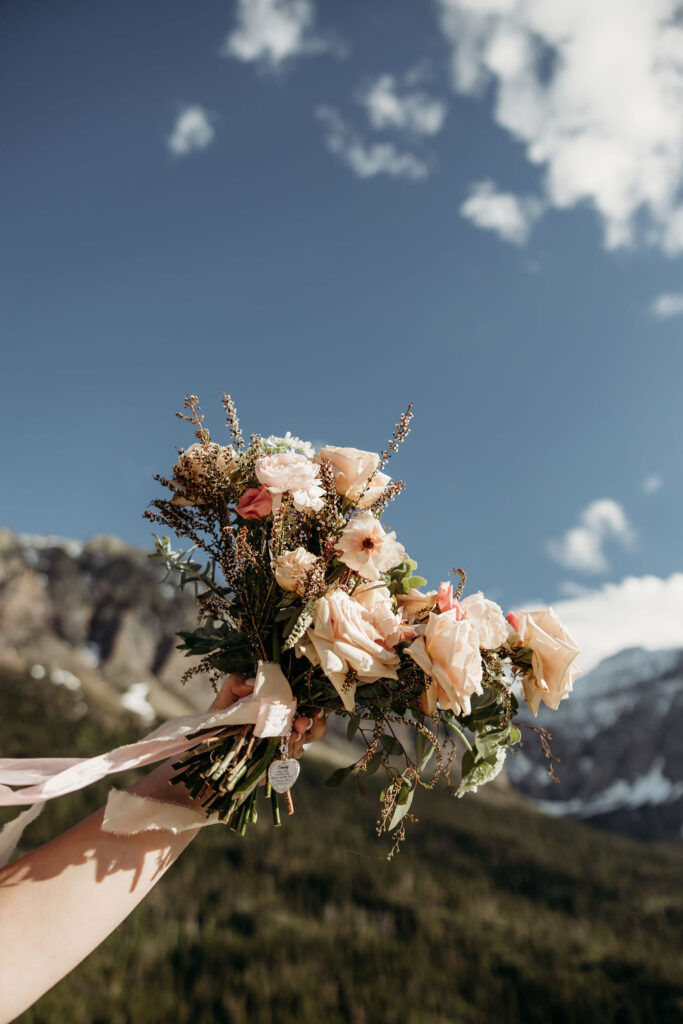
(299, 584)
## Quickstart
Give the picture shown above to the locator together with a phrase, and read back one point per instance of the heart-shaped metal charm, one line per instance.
(283, 774)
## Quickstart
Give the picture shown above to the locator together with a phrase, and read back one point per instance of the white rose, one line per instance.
(290, 566)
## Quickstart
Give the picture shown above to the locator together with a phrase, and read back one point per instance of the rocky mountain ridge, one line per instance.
(96, 618)
(618, 738)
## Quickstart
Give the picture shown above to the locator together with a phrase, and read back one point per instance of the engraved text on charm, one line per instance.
(283, 774)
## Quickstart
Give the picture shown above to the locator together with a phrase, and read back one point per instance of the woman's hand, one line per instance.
(305, 730)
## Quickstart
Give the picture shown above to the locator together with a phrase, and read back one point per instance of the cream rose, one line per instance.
(379, 610)
(365, 547)
(193, 469)
(342, 638)
(354, 469)
(290, 566)
(488, 617)
(449, 654)
(554, 652)
(415, 604)
(287, 472)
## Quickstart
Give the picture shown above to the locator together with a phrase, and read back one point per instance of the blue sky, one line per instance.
(330, 210)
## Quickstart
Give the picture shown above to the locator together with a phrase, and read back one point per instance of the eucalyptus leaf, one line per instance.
(336, 778)
(373, 763)
(391, 744)
(401, 809)
(352, 728)
(424, 750)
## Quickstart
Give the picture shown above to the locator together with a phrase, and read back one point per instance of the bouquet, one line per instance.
(300, 584)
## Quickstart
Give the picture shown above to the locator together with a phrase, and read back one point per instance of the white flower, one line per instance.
(286, 472)
(554, 652)
(379, 610)
(290, 566)
(365, 547)
(288, 443)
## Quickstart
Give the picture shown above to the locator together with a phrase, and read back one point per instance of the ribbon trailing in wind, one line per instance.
(270, 708)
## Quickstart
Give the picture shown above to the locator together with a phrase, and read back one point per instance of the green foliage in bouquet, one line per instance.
(290, 564)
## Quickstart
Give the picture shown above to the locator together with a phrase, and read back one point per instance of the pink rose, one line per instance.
(449, 654)
(255, 503)
(554, 652)
(444, 599)
(288, 473)
(513, 619)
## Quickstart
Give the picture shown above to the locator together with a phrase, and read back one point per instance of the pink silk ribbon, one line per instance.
(270, 708)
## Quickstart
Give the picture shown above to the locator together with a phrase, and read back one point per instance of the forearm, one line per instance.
(60, 901)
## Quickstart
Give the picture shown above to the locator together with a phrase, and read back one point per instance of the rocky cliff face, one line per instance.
(619, 740)
(96, 616)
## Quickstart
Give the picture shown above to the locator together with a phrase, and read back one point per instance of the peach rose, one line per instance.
(365, 547)
(353, 469)
(487, 616)
(193, 469)
(290, 566)
(449, 654)
(554, 652)
(288, 473)
(414, 604)
(342, 638)
(379, 610)
(255, 503)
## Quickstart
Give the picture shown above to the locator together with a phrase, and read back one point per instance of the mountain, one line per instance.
(618, 738)
(491, 911)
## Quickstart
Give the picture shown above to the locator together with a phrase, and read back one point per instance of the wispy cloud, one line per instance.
(667, 305)
(365, 158)
(192, 131)
(510, 216)
(594, 92)
(582, 547)
(652, 483)
(644, 611)
(390, 106)
(272, 32)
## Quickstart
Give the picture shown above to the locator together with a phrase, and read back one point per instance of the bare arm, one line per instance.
(61, 901)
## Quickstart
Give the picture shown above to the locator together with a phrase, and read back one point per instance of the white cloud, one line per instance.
(594, 92)
(510, 216)
(667, 305)
(413, 110)
(192, 130)
(652, 483)
(644, 611)
(274, 31)
(582, 547)
(368, 159)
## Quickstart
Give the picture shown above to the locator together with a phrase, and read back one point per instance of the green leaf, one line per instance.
(469, 760)
(424, 750)
(401, 808)
(391, 744)
(374, 763)
(336, 778)
(352, 728)
(515, 735)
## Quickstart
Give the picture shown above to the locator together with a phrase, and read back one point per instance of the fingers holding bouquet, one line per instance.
(306, 729)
